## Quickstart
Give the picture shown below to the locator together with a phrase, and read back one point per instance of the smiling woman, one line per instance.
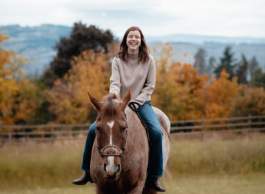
(133, 41)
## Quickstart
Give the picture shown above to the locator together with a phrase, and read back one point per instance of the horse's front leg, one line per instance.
(98, 190)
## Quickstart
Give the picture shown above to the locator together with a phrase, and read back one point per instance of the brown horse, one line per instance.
(120, 152)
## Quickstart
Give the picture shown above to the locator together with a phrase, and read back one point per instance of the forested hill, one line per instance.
(37, 45)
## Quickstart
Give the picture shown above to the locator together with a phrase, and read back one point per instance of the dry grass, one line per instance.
(210, 166)
(198, 184)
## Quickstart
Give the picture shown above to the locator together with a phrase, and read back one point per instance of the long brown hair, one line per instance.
(143, 49)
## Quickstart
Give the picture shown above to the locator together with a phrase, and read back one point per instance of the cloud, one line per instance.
(156, 17)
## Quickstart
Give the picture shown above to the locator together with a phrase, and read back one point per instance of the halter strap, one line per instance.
(111, 150)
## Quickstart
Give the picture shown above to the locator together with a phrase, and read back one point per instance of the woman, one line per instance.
(134, 69)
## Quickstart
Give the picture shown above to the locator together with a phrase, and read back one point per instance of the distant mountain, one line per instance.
(184, 51)
(37, 45)
(201, 39)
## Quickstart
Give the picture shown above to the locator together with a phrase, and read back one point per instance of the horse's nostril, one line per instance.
(119, 168)
(105, 167)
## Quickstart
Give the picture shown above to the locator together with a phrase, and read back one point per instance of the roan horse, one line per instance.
(120, 152)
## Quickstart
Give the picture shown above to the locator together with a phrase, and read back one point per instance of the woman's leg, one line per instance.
(88, 147)
(151, 122)
(87, 156)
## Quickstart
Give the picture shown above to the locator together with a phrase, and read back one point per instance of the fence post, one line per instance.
(250, 122)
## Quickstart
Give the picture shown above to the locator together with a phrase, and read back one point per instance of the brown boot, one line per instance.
(84, 179)
(155, 185)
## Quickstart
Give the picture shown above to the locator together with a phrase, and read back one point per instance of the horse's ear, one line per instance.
(94, 102)
(125, 100)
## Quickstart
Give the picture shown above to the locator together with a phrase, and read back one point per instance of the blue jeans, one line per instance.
(150, 120)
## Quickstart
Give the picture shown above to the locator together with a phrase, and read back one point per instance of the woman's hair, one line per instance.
(143, 49)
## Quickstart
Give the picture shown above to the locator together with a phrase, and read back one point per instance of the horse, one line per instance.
(119, 158)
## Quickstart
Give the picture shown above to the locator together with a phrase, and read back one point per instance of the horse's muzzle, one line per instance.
(111, 169)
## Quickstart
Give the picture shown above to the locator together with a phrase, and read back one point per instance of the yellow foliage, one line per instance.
(249, 101)
(3, 37)
(16, 103)
(220, 96)
(178, 90)
(183, 93)
(69, 97)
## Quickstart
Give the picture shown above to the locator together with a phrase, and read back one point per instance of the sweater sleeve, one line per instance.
(115, 83)
(149, 85)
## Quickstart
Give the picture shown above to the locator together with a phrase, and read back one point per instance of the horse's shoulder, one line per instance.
(130, 115)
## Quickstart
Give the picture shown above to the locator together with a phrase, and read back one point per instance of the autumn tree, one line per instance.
(219, 96)
(177, 88)
(69, 96)
(17, 102)
(249, 101)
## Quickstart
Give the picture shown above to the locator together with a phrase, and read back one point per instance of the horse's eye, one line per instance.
(98, 128)
(124, 126)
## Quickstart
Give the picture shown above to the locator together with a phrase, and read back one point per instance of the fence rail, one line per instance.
(63, 131)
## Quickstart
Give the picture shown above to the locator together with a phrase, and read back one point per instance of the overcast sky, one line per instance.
(154, 17)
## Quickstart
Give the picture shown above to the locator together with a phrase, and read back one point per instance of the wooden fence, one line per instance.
(61, 131)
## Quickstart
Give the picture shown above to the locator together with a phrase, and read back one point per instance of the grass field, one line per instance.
(199, 184)
(211, 166)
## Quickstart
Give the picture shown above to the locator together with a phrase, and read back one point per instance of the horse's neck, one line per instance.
(135, 128)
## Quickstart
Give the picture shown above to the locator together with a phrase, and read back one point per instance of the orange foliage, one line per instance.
(69, 98)
(220, 96)
(183, 93)
(16, 102)
(249, 101)
(178, 91)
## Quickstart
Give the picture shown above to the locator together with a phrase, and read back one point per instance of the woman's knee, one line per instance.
(156, 134)
(92, 128)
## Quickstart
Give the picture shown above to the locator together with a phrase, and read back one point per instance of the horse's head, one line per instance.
(111, 131)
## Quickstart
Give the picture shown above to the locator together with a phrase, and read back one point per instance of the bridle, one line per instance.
(111, 150)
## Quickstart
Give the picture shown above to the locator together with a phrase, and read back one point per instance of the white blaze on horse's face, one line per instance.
(110, 124)
(111, 168)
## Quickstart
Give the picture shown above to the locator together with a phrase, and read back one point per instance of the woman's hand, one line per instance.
(134, 106)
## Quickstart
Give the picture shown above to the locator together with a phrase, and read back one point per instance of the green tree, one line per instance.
(258, 78)
(211, 65)
(242, 70)
(81, 38)
(227, 63)
(253, 66)
(199, 61)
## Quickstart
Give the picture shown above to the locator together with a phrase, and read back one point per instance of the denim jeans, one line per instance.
(150, 121)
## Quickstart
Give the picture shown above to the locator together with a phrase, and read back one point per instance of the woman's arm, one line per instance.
(115, 82)
(149, 85)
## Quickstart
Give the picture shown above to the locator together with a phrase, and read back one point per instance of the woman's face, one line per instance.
(133, 40)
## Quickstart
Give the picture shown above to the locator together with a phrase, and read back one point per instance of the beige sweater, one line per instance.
(139, 78)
